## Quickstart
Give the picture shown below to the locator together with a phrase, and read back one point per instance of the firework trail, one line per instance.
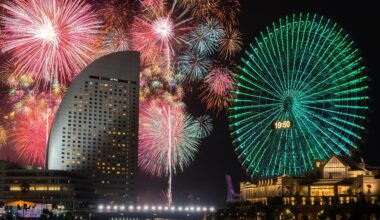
(169, 139)
(163, 125)
(3, 136)
(53, 40)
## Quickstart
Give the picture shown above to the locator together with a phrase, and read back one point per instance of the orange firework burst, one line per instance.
(3, 136)
(114, 13)
(200, 8)
(226, 12)
(230, 42)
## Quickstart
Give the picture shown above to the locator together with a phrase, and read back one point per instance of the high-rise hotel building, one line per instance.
(95, 131)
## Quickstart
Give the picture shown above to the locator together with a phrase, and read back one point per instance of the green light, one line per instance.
(304, 70)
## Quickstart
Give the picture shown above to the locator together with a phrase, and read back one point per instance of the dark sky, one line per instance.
(205, 178)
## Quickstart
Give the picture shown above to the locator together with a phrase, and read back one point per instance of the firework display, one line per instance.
(166, 131)
(217, 89)
(30, 136)
(182, 44)
(51, 40)
(301, 96)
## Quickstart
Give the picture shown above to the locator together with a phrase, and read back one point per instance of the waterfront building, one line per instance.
(337, 178)
(33, 186)
(95, 131)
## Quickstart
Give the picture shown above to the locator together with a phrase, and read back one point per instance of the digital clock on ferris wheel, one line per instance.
(285, 124)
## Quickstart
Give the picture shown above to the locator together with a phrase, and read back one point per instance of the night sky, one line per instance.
(204, 181)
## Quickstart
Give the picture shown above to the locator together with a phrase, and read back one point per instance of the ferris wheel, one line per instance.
(300, 96)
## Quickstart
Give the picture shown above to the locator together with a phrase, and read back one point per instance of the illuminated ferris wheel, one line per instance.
(301, 96)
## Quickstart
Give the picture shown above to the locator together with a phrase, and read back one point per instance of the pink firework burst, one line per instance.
(217, 89)
(51, 39)
(160, 31)
(167, 140)
(30, 136)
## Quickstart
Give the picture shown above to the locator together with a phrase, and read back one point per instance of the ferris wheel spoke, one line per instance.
(338, 127)
(321, 72)
(250, 130)
(338, 89)
(316, 50)
(299, 154)
(305, 45)
(281, 50)
(252, 116)
(334, 112)
(276, 49)
(253, 106)
(293, 43)
(281, 87)
(307, 88)
(316, 140)
(254, 96)
(241, 77)
(305, 142)
(278, 154)
(349, 123)
(334, 64)
(252, 149)
(261, 72)
(287, 50)
(356, 98)
(325, 49)
(354, 73)
(262, 152)
(263, 54)
(351, 106)
(336, 134)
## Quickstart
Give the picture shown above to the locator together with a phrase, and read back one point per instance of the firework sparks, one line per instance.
(226, 12)
(230, 42)
(116, 40)
(114, 13)
(166, 131)
(30, 138)
(52, 40)
(199, 8)
(203, 126)
(204, 39)
(217, 89)
(160, 32)
(3, 136)
(194, 66)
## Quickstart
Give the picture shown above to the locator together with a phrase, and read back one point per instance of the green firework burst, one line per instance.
(301, 96)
